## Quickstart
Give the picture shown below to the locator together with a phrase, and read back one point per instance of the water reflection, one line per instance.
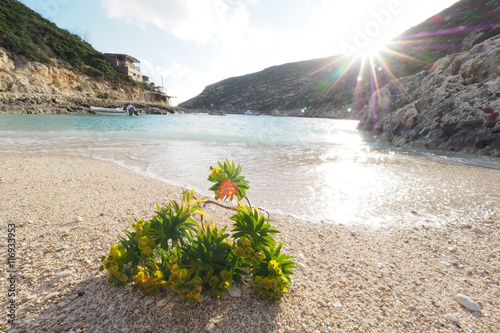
(316, 169)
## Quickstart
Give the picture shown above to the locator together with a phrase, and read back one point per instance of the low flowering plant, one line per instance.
(173, 251)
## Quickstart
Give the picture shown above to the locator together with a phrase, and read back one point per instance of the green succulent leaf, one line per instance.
(250, 224)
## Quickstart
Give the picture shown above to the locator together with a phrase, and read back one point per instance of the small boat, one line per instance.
(114, 112)
(108, 111)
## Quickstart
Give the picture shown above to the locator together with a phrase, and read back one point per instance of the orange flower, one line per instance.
(227, 190)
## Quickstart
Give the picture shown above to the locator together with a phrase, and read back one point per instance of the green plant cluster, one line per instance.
(173, 251)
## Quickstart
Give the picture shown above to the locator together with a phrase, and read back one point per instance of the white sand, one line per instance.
(351, 279)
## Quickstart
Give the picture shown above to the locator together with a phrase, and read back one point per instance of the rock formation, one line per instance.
(301, 88)
(453, 106)
(32, 87)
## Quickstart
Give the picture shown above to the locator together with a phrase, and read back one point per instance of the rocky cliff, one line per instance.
(299, 88)
(47, 69)
(32, 87)
(453, 106)
(330, 87)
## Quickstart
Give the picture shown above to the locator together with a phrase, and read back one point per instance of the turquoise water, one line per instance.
(316, 169)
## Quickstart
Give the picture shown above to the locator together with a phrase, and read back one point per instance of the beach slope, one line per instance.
(349, 278)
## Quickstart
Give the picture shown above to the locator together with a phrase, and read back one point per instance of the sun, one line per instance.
(372, 50)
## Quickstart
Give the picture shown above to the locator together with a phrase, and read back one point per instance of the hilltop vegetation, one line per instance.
(23, 32)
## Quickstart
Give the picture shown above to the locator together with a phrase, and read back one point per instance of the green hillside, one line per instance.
(23, 32)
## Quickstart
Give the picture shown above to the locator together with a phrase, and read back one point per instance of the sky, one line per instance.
(185, 45)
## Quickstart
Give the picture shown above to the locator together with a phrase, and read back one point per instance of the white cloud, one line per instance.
(200, 21)
(179, 80)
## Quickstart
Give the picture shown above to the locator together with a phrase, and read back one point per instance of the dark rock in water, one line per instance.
(453, 106)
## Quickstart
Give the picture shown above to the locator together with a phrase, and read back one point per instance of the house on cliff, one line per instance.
(125, 64)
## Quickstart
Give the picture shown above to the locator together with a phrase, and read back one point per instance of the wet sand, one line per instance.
(349, 279)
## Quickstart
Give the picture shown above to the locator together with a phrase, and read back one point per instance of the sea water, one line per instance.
(315, 169)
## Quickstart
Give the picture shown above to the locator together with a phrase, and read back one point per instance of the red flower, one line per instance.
(227, 190)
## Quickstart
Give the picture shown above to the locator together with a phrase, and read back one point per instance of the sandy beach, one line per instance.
(349, 278)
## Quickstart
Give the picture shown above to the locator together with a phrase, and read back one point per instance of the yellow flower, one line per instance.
(214, 281)
(267, 283)
(147, 251)
(139, 278)
(241, 251)
(215, 171)
(183, 273)
(283, 281)
(175, 268)
(273, 264)
(143, 242)
(226, 276)
(225, 285)
(158, 275)
(244, 242)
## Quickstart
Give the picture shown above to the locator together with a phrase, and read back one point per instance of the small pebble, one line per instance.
(61, 317)
(234, 291)
(477, 231)
(201, 299)
(452, 318)
(62, 328)
(77, 219)
(467, 302)
(49, 296)
(64, 273)
(161, 303)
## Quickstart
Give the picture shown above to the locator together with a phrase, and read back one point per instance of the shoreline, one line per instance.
(43, 103)
(349, 278)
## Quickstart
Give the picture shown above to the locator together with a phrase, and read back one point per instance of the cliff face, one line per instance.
(32, 87)
(23, 76)
(315, 88)
(38, 59)
(453, 106)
